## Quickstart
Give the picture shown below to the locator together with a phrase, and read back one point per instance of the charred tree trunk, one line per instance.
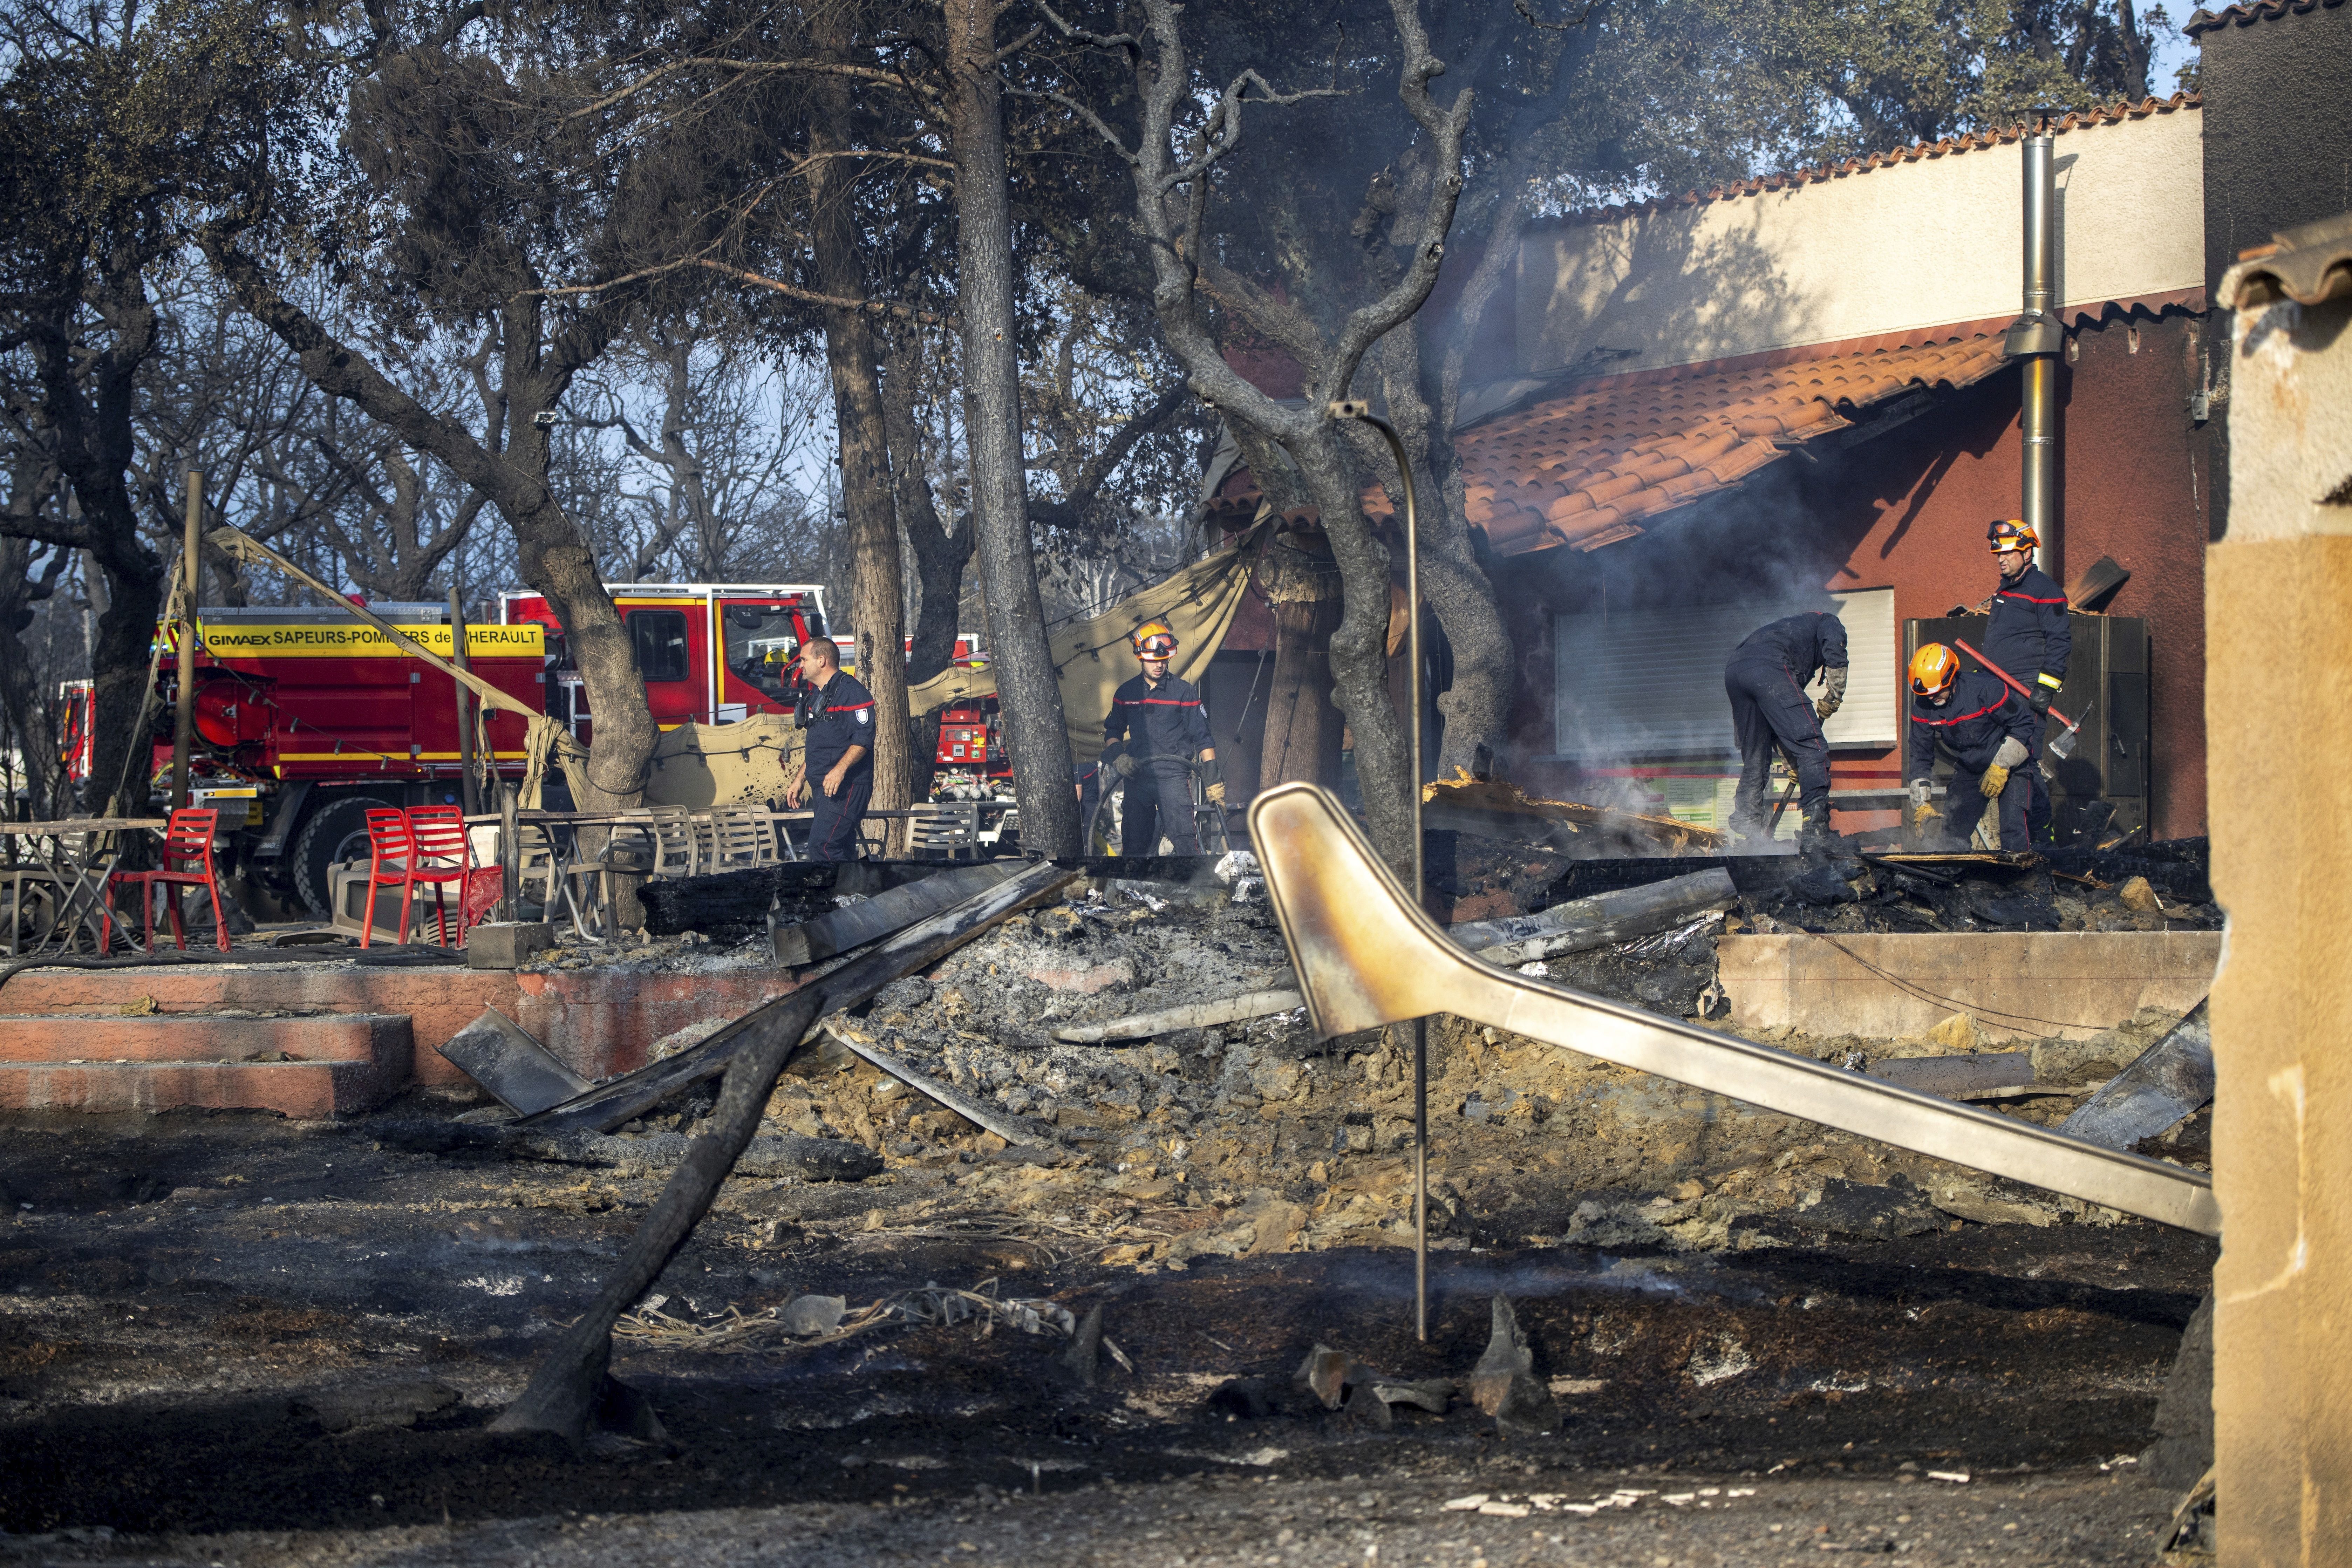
(877, 605)
(939, 555)
(1171, 162)
(1035, 736)
(87, 400)
(1303, 729)
(1359, 644)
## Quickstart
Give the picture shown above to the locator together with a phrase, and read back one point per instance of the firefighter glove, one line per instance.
(1920, 790)
(1124, 765)
(1833, 692)
(1211, 772)
(1995, 780)
(1216, 793)
(2039, 695)
(2011, 752)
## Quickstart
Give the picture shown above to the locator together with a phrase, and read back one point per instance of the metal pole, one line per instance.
(183, 728)
(1354, 409)
(470, 793)
(2037, 338)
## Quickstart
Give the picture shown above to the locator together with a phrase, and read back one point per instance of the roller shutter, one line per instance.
(1644, 685)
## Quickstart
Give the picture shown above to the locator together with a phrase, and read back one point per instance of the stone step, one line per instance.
(319, 1066)
(305, 1091)
(96, 1040)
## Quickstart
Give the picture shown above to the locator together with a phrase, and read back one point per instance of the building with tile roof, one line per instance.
(1724, 406)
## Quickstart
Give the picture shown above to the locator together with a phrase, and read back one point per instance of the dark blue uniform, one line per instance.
(1765, 680)
(840, 715)
(1163, 727)
(2029, 636)
(1969, 728)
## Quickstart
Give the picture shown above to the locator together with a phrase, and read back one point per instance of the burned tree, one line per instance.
(1173, 159)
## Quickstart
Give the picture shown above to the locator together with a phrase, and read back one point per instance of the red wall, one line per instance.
(1908, 510)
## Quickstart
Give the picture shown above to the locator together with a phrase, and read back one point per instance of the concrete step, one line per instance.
(319, 1065)
(201, 1037)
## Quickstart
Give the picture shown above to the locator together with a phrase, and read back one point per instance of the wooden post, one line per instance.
(185, 726)
(509, 855)
(471, 794)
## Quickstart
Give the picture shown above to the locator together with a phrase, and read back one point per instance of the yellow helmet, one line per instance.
(1152, 639)
(1933, 669)
(2013, 533)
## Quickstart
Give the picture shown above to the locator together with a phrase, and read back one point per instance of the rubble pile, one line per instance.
(2161, 887)
(1249, 1138)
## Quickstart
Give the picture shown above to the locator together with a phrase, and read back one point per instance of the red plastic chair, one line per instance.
(444, 855)
(187, 862)
(390, 849)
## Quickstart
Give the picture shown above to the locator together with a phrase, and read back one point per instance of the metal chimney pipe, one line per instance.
(2037, 339)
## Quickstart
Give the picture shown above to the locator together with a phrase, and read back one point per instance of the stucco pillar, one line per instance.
(2279, 728)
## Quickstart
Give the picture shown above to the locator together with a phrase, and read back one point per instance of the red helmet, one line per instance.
(1153, 639)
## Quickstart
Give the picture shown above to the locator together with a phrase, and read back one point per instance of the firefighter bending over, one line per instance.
(1984, 727)
(836, 715)
(1155, 726)
(1765, 678)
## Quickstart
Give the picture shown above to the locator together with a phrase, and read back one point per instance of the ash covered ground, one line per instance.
(230, 1338)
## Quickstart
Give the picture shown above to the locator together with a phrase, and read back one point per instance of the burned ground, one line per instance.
(217, 1329)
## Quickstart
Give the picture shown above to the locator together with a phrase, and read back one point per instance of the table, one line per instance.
(71, 879)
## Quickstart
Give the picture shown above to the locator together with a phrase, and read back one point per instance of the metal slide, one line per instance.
(1367, 957)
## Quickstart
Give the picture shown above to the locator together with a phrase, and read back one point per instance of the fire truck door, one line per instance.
(662, 640)
(759, 644)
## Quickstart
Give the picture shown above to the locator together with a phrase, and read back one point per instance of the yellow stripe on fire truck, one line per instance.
(359, 640)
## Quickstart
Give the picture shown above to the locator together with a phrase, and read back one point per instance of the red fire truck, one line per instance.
(320, 717)
(307, 718)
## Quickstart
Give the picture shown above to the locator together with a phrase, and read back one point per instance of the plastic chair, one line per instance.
(187, 862)
(390, 849)
(442, 854)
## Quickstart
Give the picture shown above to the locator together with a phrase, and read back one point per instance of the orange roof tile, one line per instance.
(1589, 467)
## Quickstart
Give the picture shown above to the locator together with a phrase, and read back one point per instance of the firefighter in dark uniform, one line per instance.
(836, 716)
(1765, 678)
(1984, 727)
(2029, 639)
(1155, 727)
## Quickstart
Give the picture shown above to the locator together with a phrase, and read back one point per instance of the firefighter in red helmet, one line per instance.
(1155, 727)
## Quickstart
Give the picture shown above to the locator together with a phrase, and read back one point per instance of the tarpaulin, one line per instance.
(1092, 657)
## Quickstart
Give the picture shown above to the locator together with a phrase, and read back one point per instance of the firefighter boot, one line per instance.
(1814, 839)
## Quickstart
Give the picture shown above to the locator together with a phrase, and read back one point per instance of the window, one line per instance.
(1644, 685)
(659, 638)
(762, 641)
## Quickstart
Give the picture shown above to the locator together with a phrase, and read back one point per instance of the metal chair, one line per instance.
(186, 862)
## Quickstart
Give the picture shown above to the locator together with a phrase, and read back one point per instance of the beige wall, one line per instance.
(1912, 245)
(2279, 711)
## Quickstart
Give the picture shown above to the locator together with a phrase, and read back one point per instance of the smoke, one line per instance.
(1629, 640)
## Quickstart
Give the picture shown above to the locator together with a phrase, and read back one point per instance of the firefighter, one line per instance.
(1155, 726)
(836, 715)
(2029, 638)
(1984, 727)
(1765, 678)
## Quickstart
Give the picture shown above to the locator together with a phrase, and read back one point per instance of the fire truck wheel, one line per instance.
(337, 831)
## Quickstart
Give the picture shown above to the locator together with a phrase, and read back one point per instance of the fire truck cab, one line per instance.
(711, 653)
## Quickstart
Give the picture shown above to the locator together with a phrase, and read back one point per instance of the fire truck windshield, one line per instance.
(761, 644)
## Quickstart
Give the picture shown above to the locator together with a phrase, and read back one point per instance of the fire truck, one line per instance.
(308, 718)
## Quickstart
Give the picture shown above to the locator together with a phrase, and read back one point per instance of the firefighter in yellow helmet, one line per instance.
(1987, 731)
(1156, 727)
